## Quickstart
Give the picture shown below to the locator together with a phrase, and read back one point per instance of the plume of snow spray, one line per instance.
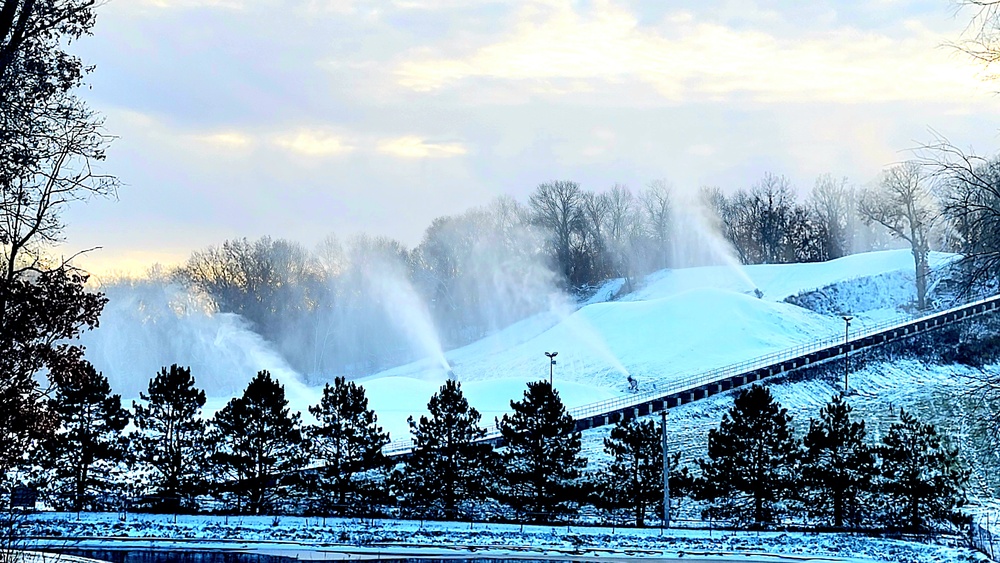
(406, 309)
(151, 324)
(697, 239)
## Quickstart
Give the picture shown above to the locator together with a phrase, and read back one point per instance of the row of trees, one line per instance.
(487, 268)
(256, 457)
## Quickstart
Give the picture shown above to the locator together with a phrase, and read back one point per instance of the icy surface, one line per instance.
(395, 539)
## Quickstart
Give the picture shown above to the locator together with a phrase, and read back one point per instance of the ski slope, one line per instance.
(677, 322)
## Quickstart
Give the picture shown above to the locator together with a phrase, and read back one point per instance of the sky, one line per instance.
(300, 119)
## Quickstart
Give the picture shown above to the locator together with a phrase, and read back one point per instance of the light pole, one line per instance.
(666, 468)
(552, 363)
(847, 352)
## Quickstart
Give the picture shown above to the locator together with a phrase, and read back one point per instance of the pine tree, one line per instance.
(256, 443)
(349, 442)
(838, 467)
(634, 478)
(84, 451)
(923, 481)
(542, 456)
(171, 437)
(751, 460)
(448, 468)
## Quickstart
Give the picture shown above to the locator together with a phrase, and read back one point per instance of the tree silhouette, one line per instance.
(542, 458)
(923, 480)
(448, 468)
(751, 460)
(837, 465)
(348, 440)
(171, 437)
(89, 444)
(634, 478)
(256, 443)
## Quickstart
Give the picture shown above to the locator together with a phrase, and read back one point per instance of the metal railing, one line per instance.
(690, 381)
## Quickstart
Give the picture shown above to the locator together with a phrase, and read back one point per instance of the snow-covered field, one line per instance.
(310, 538)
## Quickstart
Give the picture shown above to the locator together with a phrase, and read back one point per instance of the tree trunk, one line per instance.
(920, 266)
(838, 509)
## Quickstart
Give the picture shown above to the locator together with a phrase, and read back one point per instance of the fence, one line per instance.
(983, 537)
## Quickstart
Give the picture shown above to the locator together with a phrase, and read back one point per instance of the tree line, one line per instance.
(254, 456)
(482, 270)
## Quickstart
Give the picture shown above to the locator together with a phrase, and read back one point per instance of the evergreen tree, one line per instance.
(838, 467)
(349, 442)
(542, 456)
(751, 460)
(923, 481)
(448, 467)
(634, 478)
(171, 436)
(84, 451)
(256, 442)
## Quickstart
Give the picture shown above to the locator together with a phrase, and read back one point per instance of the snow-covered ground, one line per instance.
(316, 538)
(678, 322)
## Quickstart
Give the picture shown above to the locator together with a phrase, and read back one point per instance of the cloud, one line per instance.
(189, 4)
(226, 140)
(314, 143)
(415, 147)
(559, 49)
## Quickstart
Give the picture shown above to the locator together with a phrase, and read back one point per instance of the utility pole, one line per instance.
(847, 352)
(552, 363)
(666, 468)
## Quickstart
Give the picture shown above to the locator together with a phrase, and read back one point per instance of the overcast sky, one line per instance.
(301, 118)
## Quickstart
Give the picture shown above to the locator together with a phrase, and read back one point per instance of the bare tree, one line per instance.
(557, 207)
(757, 221)
(982, 35)
(50, 143)
(830, 202)
(622, 231)
(591, 246)
(969, 189)
(902, 203)
(656, 203)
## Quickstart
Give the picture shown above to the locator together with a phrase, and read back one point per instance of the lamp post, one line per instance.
(847, 352)
(552, 363)
(666, 468)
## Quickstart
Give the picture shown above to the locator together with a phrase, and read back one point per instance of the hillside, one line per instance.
(677, 322)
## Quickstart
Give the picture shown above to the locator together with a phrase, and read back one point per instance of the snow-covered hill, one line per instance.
(676, 322)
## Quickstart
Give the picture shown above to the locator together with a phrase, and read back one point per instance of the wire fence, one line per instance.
(689, 381)
(983, 537)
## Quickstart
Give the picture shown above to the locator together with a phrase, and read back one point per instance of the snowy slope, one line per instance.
(677, 322)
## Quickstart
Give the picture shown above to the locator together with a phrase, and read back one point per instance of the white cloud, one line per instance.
(226, 140)
(187, 4)
(415, 147)
(314, 143)
(687, 60)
